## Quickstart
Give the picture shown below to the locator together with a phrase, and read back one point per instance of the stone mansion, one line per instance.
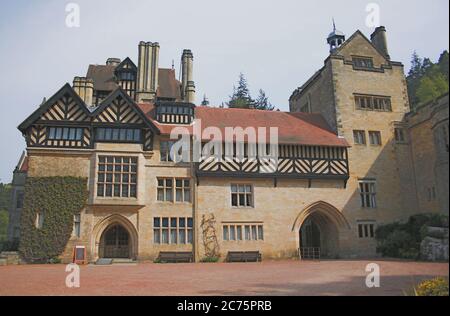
(351, 156)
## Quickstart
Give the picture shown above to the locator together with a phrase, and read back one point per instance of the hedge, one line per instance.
(59, 199)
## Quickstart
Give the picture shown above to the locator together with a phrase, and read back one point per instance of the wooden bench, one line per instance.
(175, 257)
(244, 256)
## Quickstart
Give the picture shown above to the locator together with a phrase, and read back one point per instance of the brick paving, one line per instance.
(260, 279)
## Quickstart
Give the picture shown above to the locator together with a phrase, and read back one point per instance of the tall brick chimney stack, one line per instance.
(84, 87)
(148, 68)
(187, 75)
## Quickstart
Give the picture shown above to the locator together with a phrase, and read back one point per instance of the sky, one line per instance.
(277, 44)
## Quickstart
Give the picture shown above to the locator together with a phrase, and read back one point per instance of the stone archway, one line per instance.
(117, 233)
(318, 228)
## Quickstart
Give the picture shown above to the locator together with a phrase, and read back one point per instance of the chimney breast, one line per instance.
(379, 40)
(84, 87)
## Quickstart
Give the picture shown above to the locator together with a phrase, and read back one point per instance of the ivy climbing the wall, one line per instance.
(47, 215)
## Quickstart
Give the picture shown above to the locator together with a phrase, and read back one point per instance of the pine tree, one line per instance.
(416, 66)
(241, 95)
(262, 102)
(443, 64)
(413, 80)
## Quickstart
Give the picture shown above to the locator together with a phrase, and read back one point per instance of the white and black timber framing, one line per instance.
(67, 110)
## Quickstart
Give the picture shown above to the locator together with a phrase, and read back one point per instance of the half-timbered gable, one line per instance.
(62, 121)
(126, 73)
(118, 119)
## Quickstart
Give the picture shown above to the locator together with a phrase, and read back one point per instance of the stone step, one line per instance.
(123, 261)
(3, 262)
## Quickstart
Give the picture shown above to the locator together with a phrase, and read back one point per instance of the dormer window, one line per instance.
(175, 112)
(126, 76)
(363, 62)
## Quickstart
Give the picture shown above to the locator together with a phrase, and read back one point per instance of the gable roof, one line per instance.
(354, 35)
(119, 92)
(127, 61)
(336, 53)
(293, 128)
(103, 77)
(105, 80)
(168, 85)
(66, 89)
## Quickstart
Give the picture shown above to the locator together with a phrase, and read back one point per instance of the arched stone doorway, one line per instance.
(115, 237)
(318, 228)
(115, 243)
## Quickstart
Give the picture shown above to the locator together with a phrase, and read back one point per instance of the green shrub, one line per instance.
(210, 259)
(402, 240)
(435, 287)
(398, 244)
(59, 199)
(9, 245)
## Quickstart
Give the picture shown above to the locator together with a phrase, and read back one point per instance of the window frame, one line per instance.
(357, 62)
(174, 188)
(359, 133)
(103, 139)
(400, 135)
(77, 225)
(40, 220)
(366, 230)
(174, 231)
(131, 186)
(245, 194)
(370, 102)
(375, 139)
(165, 155)
(54, 131)
(368, 199)
(242, 232)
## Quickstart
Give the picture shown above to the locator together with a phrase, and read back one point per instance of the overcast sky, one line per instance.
(277, 44)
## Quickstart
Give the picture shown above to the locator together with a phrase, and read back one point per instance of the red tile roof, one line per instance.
(293, 128)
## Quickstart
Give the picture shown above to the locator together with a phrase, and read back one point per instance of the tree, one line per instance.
(430, 88)
(241, 95)
(5, 198)
(426, 80)
(416, 66)
(262, 102)
(443, 64)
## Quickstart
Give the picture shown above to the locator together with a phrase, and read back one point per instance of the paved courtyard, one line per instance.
(260, 279)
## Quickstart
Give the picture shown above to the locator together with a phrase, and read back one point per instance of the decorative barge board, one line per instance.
(64, 121)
